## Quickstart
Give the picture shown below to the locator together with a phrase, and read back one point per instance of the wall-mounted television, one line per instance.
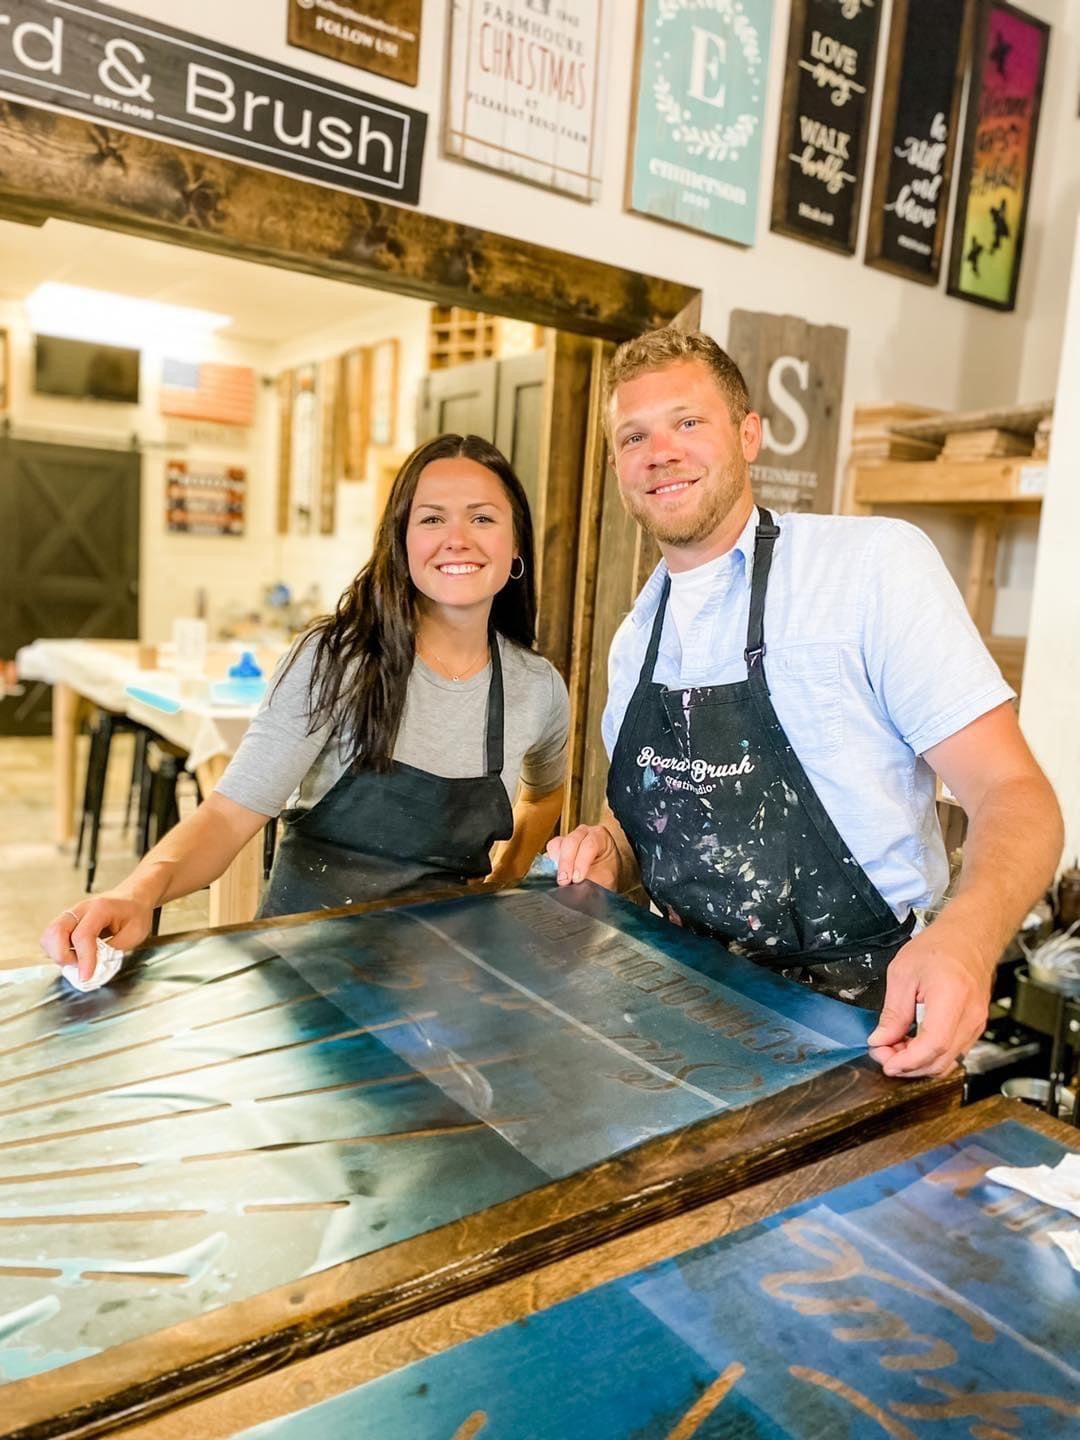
(86, 370)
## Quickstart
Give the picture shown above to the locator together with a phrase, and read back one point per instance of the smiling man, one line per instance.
(781, 698)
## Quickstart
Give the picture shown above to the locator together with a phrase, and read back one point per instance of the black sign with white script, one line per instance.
(139, 75)
(825, 120)
(917, 137)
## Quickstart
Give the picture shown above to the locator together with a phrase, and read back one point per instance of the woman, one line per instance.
(401, 725)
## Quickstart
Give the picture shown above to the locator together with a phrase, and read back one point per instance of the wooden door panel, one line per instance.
(460, 401)
(519, 419)
(69, 517)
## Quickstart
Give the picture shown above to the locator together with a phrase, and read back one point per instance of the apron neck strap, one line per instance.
(494, 744)
(764, 539)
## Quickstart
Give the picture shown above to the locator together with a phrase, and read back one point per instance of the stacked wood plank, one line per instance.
(988, 444)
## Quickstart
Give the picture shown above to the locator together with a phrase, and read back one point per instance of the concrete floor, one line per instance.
(37, 881)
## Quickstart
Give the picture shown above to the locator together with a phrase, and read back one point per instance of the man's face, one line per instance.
(683, 465)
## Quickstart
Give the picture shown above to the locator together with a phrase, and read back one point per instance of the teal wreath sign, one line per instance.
(702, 72)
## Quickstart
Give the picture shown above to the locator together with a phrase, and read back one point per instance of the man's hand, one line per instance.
(944, 971)
(74, 933)
(587, 853)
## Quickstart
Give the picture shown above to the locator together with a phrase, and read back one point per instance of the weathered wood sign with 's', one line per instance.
(141, 75)
(795, 374)
(825, 121)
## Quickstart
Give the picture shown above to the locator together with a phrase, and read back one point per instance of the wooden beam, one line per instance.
(563, 449)
(59, 165)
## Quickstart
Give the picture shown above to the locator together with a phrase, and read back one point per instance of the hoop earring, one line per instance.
(520, 560)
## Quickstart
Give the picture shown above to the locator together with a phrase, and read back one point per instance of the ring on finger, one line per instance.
(72, 914)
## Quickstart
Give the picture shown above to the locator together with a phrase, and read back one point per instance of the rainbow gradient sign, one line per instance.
(999, 153)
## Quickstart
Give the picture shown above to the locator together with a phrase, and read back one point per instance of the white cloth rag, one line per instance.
(1069, 1241)
(1058, 1185)
(109, 960)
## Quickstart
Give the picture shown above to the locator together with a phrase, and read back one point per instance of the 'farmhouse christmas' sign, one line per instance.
(696, 147)
(523, 92)
(141, 75)
(825, 120)
(917, 137)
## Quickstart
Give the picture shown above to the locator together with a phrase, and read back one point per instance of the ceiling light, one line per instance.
(80, 314)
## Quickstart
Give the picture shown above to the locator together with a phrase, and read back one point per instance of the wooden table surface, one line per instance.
(320, 1377)
(295, 1050)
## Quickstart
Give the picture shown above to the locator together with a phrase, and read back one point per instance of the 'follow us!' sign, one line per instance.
(139, 75)
(696, 148)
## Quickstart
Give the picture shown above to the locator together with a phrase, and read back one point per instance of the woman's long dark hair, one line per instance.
(364, 652)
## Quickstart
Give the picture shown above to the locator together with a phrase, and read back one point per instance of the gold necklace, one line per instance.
(465, 669)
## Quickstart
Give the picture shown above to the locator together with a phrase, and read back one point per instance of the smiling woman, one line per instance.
(398, 731)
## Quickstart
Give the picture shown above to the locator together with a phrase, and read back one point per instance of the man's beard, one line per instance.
(723, 490)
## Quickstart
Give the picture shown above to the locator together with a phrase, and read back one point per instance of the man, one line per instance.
(780, 699)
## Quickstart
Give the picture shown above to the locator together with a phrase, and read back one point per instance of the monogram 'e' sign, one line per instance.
(140, 75)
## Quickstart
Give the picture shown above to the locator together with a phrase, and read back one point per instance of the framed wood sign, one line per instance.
(795, 375)
(382, 36)
(825, 121)
(920, 110)
(695, 149)
(999, 153)
(523, 91)
(384, 388)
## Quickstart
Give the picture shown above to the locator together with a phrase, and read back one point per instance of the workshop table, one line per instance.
(892, 1290)
(103, 673)
(258, 1144)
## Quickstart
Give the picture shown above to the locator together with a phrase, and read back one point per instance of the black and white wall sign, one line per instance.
(139, 75)
(920, 112)
(825, 120)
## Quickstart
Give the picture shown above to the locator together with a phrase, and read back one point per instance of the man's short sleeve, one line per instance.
(925, 660)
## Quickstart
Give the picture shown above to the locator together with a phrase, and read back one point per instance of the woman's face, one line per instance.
(460, 536)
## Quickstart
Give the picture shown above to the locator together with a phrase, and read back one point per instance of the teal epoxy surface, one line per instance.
(921, 1303)
(240, 1110)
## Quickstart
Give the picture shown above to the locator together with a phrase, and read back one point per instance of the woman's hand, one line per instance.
(74, 933)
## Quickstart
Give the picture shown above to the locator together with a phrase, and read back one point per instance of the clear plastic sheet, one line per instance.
(238, 1110)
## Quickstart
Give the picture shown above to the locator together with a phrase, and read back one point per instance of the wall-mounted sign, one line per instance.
(523, 91)
(999, 152)
(917, 137)
(795, 374)
(204, 499)
(224, 394)
(825, 120)
(696, 139)
(140, 75)
(382, 36)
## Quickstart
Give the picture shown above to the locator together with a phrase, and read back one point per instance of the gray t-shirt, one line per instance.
(442, 731)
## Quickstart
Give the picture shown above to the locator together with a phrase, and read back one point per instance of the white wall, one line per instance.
(1050, 704)
(907, 342)
(329, 562)
(173, 568)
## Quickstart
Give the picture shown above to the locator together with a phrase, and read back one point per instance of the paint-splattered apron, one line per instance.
(730, 835)
(403, 831)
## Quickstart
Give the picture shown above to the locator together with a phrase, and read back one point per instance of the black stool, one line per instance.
(107, 724)
(158, 807)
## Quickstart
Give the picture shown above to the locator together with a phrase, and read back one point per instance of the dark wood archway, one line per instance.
(591, 558)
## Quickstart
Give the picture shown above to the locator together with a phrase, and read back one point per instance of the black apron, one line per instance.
(729, 833)
(402, 831)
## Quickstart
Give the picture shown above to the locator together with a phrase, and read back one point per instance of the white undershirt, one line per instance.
(690, 589)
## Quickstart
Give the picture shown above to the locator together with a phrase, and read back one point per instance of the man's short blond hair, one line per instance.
(657, 349)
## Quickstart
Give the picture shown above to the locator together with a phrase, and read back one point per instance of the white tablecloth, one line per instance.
(105, 675)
